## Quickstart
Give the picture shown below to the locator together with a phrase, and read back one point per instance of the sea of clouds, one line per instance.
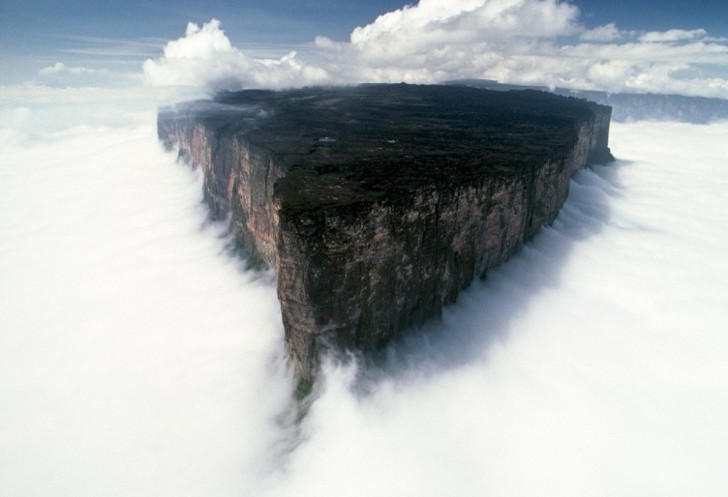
(138, 355)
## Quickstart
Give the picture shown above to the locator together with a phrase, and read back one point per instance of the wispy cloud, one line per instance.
(673, 35)
(61, 68)
(608, 32)
(60, 74)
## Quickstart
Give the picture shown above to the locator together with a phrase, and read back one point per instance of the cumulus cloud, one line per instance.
(527, 42)
(433, 41)
(538, 42)
(205, 57)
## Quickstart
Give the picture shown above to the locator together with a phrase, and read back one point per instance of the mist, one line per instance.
(138, 355)
(592, 363)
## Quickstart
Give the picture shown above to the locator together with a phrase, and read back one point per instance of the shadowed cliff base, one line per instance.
(377, 205)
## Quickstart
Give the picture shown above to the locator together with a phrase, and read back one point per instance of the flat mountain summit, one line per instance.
(378, 204)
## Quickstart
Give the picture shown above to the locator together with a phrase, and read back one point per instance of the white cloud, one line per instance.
(435, 40)
(608, 32)
(206, 58)
(60, 67)
(513, 41)
(62, 75)
(137, 359)
(589, 364)
(672, 35)
(529, 42)
(131, 339)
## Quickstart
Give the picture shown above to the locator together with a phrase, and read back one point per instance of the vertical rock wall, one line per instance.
(354, 275)
(238, 179)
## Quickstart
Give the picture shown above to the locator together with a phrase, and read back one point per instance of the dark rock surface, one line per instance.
(378, 204)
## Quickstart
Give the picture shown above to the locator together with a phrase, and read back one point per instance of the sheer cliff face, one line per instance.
(238, 180)
(359, 261)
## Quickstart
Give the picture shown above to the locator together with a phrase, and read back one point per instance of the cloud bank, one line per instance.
(589, 364)
(138, 358)
(540, 42)
(129, 335)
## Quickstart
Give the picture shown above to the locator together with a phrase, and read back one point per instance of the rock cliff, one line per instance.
(378, 204)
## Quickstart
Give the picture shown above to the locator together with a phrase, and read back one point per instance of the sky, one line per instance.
(139, 356)
(619, 46)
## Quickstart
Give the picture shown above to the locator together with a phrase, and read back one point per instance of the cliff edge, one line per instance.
(377, 204)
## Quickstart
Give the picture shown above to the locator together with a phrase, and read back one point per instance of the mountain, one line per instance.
(378, 204)
(628, 107)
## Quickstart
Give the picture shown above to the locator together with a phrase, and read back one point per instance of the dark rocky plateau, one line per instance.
(627, 107)
(378, 204)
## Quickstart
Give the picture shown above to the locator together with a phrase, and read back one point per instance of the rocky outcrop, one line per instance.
(378, 205)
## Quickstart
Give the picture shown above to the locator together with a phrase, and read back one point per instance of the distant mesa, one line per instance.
(378, 204)
(628, 107)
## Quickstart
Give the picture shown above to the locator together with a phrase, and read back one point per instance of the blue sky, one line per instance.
(119, 36)
(42, 24)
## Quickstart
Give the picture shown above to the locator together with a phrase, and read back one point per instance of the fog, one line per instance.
(136, 355)
(139, 357)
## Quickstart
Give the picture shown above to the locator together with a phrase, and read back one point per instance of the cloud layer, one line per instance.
(130, 338)
(138, 358)
(512, 41)
(589, 364)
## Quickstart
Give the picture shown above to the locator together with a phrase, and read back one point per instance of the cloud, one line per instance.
(139, 358)
(132, 340)
(608, 32)
(673, 35)
(538, 42)
(526, 42)
(62, 75)
(60, 68)
(590, 364)
(122, 49)
(205, 57)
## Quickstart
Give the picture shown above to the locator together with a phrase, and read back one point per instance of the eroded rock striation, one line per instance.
(378, 204)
